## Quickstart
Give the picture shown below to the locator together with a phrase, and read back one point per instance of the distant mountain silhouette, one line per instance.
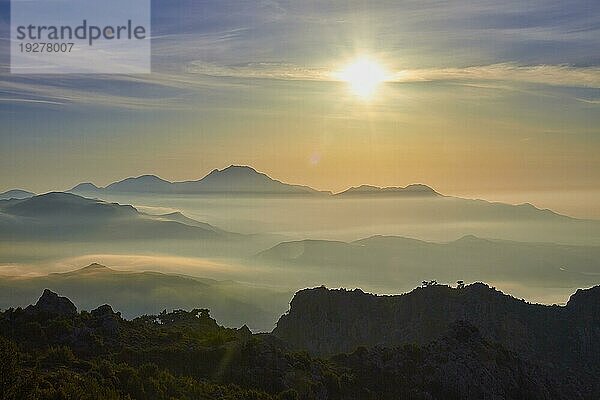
(66, 216)
(243, 179)
(179, 217)
(234, 179)
(137, 293)
(414, 190)
(16, 194)
(84, 187)
(142, 184)
(58, 205)
(418, 204)
(239, 179)
(390, 261)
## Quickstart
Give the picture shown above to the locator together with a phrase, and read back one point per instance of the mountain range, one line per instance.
(235, 179)
(244, 180)
(393, 262)
(241, 180)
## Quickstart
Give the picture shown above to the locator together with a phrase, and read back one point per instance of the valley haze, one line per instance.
(239, 225)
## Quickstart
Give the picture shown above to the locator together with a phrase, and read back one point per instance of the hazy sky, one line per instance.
(495, 99)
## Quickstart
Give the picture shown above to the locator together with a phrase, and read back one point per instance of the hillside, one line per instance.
(325, 322)
(50, 350)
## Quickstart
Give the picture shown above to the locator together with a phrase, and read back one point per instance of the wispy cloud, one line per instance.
(262, 70)
(156, 91)
(174, 90)
(556, 75)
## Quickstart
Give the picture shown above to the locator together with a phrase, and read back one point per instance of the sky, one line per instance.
(498, 100)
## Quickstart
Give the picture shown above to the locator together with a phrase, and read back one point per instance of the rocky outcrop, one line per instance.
(107, 319)
(326, 322)
(52, 303)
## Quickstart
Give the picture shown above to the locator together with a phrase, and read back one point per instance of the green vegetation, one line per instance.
(50, 351)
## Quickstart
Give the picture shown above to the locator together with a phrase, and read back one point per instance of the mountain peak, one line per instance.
(412, 190)
(149, 177)
(470, 239)
(52, 303)
(16, 194)
(142, 183)
(84, 187)
(95, 267)
(236, 170)
(243, 179)
(234, 167)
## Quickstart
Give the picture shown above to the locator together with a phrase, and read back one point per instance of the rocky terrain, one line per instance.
(326, 322)
(49, 350)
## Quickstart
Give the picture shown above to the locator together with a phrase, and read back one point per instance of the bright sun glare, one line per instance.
(363, 76)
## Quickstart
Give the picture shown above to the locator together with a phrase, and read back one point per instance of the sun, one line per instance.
(364, 76)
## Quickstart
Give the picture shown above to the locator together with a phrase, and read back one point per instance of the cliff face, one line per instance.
(326, 322)
(461, 364)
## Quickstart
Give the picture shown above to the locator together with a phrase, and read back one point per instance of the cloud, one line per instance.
(135, 92)
(176, 90)
(555, 75)
(261, 70)
(128, 262)
(465, 41)
(589, 101)
(16, 100)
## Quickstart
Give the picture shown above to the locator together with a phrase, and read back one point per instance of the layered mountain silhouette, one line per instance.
(137, 293)
(234, 179)
(16, 194)
(238, 179)
(393, 260)
(62, 216)
(423, 202)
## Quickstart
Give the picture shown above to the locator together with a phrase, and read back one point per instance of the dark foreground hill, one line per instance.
(325, 322)
(50, 351)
